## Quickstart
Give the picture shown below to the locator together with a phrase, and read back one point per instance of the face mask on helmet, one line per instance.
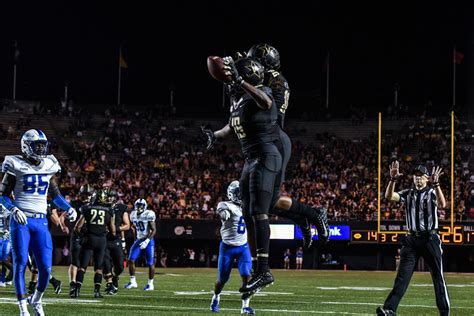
(100, 197)
(265, 54)
(233, 192)
(86, 192)
(34, 144)
(112, 196)
(140, 205)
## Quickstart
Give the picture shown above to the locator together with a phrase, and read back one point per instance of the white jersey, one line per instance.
(233, 230)
(140, 221)
(32, 182)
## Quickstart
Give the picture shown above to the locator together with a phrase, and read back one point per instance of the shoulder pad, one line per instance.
(222, 206)
(133, 214)
(150, 216)
(55, 163)
(8, 165)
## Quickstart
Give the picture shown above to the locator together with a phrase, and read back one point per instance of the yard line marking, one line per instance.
(378, 304)
(449, 285)
(83, 302)
(228, 293)
(353, 288)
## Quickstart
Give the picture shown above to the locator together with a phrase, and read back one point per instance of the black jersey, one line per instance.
(97, 218)
(281, 93)
(255, 127)
(119, 209)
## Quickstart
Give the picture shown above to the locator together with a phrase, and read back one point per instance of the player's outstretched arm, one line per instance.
(59, 199)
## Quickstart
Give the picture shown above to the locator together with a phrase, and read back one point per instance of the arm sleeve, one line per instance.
(223, 211)
(7, 166)
(61, 202)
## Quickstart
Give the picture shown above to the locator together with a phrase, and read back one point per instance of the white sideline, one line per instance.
(380, 304)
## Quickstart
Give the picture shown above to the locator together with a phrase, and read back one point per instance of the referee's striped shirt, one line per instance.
(421, 208)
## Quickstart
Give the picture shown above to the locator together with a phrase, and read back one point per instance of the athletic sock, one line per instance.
(132, 279)
(150, 281)
(245, 302)
(97, 279)
(79, 276)
(263, 244)
(216, 297)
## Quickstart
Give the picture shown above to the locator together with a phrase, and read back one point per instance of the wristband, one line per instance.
(393, 179)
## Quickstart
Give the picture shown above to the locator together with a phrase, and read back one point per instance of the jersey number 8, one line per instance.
(241, 226)
(35, 183)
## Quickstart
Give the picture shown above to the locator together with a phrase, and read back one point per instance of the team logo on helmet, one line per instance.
(266, 54)
(140, 205)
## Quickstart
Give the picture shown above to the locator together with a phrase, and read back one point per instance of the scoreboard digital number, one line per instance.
(456, 236)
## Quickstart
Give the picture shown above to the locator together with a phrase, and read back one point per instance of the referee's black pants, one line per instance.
(429, 247)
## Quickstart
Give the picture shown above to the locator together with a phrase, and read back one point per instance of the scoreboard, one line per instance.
(459, 235)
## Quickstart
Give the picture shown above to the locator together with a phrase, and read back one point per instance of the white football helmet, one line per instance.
(34, 144)
(140, 205)
(233, 191)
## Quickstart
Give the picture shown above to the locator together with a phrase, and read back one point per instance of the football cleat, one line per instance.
(321, 222)
(37, 307)
(2, 284)
(258, 282)
(382, 311)
(57, 287)
(111, 289)
(97, 294)
(215, 306)
(131, 285)
(72, 289)
(247, 311)
(149, 287)
(9, 283)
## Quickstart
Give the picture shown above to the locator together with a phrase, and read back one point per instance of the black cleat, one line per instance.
(305, 227)
(97, 294)
(31, 287)
(111, 289)
(72, 289)
(320, 220)
(258, 282)
(57, 287)
(115, 280)
(381, 311)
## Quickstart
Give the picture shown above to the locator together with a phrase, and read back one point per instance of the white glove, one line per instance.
(124, 244)
(144, 243)
(6, 235)
(71, 214)
(19, 216)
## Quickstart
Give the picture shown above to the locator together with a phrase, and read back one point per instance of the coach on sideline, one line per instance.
(421, 204)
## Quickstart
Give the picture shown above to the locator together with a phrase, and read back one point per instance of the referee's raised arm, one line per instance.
(394, 174)
(435, 184)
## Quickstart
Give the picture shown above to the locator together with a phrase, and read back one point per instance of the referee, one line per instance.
(421, 204)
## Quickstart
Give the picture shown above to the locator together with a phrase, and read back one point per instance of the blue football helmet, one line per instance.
(34, 144)
(140, 205)
(233, 191)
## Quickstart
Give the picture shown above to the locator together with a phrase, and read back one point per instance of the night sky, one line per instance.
(371, 48)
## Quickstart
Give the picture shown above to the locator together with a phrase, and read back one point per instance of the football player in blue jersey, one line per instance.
(233, 247)
(31, 177)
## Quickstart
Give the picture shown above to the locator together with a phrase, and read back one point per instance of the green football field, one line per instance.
(307, 292)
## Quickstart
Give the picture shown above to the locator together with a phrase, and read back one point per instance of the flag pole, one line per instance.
(119, 76)
(14, 70)
(327, 82)
(454, 76)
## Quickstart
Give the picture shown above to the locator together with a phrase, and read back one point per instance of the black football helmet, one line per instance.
(86, 191)
(112, 196)
(265, 54)
(250, 70)
(100, 197)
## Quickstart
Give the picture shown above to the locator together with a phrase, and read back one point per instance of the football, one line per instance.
(215, 65)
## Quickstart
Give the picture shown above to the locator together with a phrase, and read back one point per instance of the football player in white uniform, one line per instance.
(143, 221)
(30, 177)
(5, 247)
(233, 247)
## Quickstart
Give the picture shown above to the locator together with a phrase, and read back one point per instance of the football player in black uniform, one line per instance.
(85, 194)
(114, 253)
(98, 216)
